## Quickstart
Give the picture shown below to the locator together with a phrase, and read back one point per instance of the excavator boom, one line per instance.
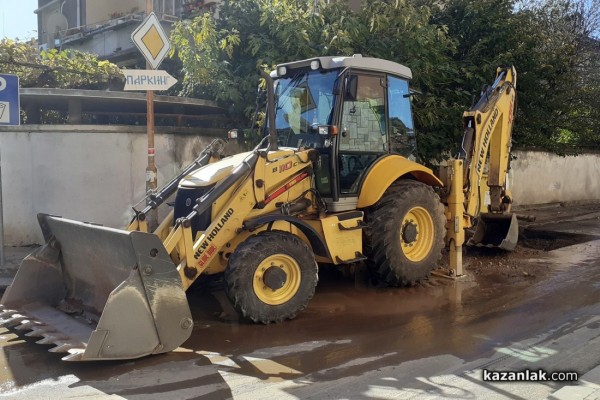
(478, 192)
(486, 154)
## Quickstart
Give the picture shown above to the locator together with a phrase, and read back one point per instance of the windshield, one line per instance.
(303, 101)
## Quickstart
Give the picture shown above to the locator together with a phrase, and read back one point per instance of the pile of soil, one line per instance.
(522, 264)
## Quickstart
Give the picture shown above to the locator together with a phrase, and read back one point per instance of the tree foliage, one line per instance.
(453, 48)
(67, 69)
(552, 44)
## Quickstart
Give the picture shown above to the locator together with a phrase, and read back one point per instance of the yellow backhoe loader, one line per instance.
(333, 181)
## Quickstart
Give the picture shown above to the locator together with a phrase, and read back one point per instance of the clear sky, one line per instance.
(17, 19)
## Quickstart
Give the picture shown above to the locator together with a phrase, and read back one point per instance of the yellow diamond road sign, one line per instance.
(151, 40)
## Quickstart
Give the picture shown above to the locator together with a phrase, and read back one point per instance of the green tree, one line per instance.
(67, 69)
(551, 44)
(561, 93)
(221, 58)
(453, 48)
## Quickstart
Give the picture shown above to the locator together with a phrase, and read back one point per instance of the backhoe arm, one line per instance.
(488, 130)
(488, 127)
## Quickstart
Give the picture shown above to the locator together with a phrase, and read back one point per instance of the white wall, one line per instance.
(95, 173)
(87, 173)
(538, 177)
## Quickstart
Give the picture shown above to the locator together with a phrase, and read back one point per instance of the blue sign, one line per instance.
(9, 100)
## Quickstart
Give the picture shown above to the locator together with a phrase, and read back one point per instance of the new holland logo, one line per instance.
(213, 233)
(486, 140)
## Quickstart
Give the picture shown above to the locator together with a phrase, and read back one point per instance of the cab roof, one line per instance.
(356, 61)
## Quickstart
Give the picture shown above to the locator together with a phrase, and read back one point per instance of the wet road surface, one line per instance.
(357, 341)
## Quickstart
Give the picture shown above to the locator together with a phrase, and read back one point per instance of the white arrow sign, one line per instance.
(147, 79)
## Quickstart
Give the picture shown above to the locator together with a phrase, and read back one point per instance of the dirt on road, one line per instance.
(352, 328)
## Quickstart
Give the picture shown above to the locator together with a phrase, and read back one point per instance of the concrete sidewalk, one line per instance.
(588, 388)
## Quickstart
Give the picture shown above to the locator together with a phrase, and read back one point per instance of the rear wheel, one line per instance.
(405, 233)
(271, 277)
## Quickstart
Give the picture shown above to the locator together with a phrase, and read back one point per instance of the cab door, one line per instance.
(374, 119)
(361, 117)
(363, 129)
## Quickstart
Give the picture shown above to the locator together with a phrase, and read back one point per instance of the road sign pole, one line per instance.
(153, 42)
(151, 170)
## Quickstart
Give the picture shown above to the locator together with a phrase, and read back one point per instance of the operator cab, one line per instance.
(353, 110)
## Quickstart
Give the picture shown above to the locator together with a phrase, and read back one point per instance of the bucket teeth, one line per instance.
(6, 313)
(14, 319)
(38, 332)
(28, 325)
(62, 347)
(75, 355)
(51, 339)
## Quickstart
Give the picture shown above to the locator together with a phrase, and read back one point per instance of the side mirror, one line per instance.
(235, 134)
(411, 93)
(351, 87)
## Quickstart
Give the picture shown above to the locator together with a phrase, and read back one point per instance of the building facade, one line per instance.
(105, 27)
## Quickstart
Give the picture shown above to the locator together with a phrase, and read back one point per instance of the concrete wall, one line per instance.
(95, 173)
(538, 177)
(83, 172)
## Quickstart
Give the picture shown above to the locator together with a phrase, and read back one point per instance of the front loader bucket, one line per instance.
(98, 293)
(496, 230)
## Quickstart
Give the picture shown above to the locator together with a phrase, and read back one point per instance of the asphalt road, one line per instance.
(536, 309)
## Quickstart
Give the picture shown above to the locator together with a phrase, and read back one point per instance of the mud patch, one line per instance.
(551, 240)
(498, 266)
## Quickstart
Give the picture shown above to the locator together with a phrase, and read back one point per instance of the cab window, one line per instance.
(401, 131)
(363, 128)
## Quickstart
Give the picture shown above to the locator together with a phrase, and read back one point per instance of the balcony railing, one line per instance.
(74, 34)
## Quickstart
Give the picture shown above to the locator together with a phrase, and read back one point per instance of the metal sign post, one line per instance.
(152, 41)
(151, 171)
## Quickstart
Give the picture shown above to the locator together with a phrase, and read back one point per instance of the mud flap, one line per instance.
(98, 293)
(496, 230)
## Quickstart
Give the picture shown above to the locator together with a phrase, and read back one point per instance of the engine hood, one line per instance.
(212, 173)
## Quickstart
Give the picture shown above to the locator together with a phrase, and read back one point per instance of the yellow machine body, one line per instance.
(261, 219)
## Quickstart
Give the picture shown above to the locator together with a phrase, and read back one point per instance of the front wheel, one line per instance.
(405, 233)
(271, 277)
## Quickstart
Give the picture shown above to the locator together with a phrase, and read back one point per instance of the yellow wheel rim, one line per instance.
(276, 264)
(416, 234)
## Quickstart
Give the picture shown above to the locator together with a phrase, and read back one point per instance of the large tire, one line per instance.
(404, 234)
(271, 277)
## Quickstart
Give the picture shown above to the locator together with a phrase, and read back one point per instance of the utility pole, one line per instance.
(151, 171)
